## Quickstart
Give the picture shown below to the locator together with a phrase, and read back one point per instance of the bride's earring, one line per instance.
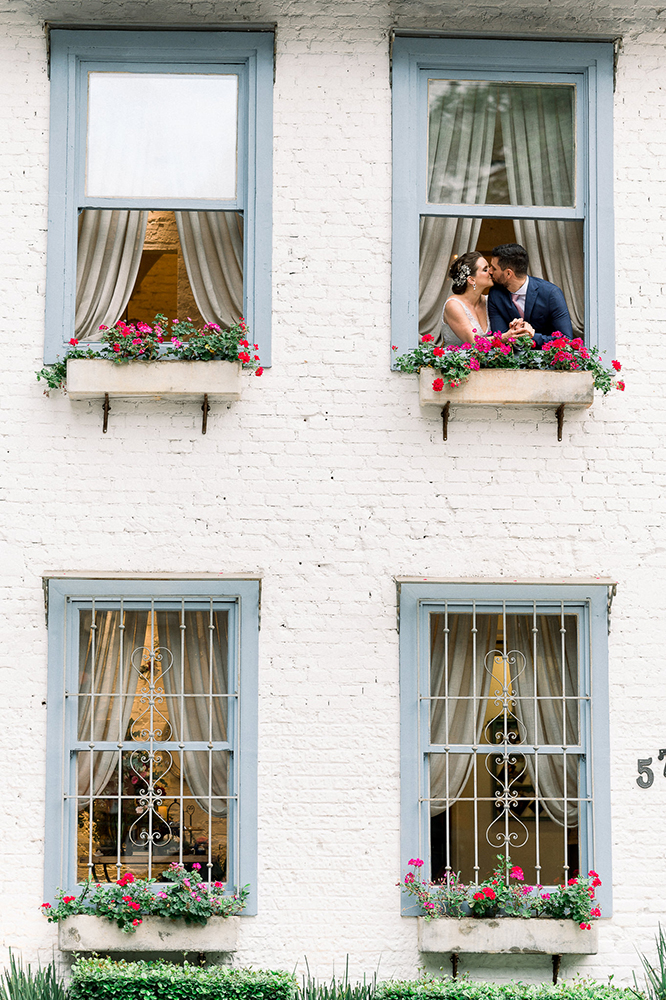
(474, 285)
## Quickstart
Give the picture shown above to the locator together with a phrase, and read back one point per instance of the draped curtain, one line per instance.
(548, 722)
(202, 769)
(110, 244)
(460, 144)
(114, 694)
(467, 676)
(212, 245)
(537, 136)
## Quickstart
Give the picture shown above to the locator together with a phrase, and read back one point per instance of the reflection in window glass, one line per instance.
(501, 143)
(162, 135)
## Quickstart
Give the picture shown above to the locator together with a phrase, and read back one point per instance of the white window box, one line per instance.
(497, 386)
(93, 379)
(84, 933)
(515, 935)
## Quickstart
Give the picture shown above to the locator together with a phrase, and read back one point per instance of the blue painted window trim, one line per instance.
(73, 54)
(64, 598)
(416, 601)
(590, 66)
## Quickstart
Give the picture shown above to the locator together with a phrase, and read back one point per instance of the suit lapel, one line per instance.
(530, 298)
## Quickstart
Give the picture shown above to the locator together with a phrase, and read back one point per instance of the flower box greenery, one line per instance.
(184, 896)
(504, 895)
(172, 341)
(453, 365)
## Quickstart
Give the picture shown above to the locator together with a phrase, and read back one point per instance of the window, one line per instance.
(505, 729)
(501, 142)
(160, 180)
(152, 730)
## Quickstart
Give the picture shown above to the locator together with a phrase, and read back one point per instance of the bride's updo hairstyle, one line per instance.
(463, 267)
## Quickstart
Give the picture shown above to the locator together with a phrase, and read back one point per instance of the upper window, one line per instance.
(151, 744)
(499, 142)
(160, 183)
(500, 755)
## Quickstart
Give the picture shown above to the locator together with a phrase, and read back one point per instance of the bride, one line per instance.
(466, 311)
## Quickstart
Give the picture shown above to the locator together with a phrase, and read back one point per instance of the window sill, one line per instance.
(83, 933)
(93, 379)
(514, 935)
(498, 387)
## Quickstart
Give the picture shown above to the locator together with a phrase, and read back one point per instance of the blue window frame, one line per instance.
(476, 162)
(79, 146)
(504, 730)
(152, 730)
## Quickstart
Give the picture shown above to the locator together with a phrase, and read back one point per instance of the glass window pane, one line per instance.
(555, 251)
(501, 143)
(162, 135)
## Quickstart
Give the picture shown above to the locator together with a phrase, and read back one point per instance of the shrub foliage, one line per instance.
(103, 979)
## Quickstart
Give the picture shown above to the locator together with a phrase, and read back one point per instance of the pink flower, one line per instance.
(517, 872)
(616, 364)
(136, 340)
(474, 364)
(175, 341)
(394, 348)
(437, 386)
(116, 347)
(46, 906)
(596, 912)
(505, 349)
(526, 890)
(135, 923)
(620, 386)
(545, 895)
(218, 885)
(586, 927)
(102, 327)
(143, 328)
(429, 906)
(196, 865)
(162, 895)
(409, 878)
(73, 341)
(186, 882)
(244, 357)
(416, 862)
(478, 895)
(68, 899)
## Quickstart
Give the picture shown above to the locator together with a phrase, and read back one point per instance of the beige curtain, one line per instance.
(110, 244)
(549, 721)
(199, 719)
(537, 135)
(461, 131)
(106, 716)
(212, 245)
(459, 674)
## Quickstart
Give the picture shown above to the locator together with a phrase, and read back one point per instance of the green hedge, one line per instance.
(463, 989)
(108, 980)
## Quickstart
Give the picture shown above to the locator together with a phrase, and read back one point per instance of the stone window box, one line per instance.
(502, 387)
(85, 933)
(506, 935)
(93, 379)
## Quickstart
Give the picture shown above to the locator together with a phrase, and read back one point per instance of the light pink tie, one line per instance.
(517, 304)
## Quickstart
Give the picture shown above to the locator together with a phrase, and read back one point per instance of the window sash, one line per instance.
(414, 61)
(66, 598)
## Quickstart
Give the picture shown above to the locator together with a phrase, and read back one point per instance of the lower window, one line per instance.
(145, 704)
(499, 754)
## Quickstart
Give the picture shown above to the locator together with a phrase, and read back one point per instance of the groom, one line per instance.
(517, 298)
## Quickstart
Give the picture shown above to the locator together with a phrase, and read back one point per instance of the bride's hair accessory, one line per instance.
(463, 267)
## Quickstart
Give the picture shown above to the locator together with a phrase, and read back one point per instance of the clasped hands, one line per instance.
(517, 328)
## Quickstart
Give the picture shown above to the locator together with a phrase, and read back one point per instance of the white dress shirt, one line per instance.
(519, 297)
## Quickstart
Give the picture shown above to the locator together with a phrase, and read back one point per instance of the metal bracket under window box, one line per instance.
(159, 934)
(207, 380)
(507, 387)
(506, 935)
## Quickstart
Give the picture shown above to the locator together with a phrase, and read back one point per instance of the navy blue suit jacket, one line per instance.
(545, 310)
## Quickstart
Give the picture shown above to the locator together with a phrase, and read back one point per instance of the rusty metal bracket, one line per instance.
(107, 407)
(205, 408)
(445, 421)
(556, 967)
(560, 420)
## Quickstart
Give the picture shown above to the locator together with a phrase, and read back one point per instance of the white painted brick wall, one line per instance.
(327, 478)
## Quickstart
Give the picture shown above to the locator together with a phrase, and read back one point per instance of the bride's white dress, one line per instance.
(447, 334)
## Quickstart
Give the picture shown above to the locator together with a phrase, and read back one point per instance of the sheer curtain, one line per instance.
(461, 132)
(110, 244)
(537, 134)
(114, 694)
(212, 245)
(191, 675)
(544, 721)
(467, 676)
